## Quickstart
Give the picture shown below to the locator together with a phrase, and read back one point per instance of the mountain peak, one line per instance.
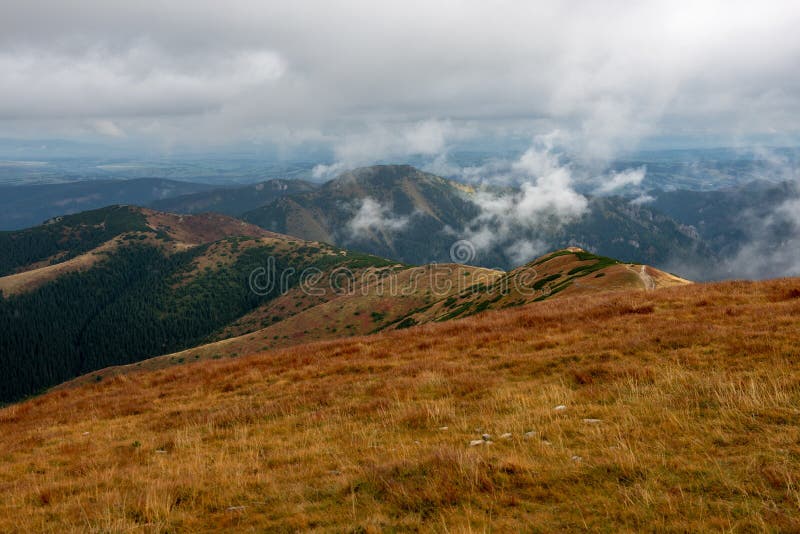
(382, 176)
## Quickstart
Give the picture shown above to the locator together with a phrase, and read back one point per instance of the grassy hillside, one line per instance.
(670, 410)
(562, 273)
(397, 297)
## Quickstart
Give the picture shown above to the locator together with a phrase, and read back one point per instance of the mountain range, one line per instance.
(121, 284)
(400, 212)
(374, 249)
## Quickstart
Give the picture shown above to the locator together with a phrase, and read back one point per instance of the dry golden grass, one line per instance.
(42, 272)
(201, 228)
(697, 390)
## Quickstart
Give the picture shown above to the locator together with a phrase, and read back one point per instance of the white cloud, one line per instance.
(381, 142)
(373, 217)
(203, 72)
(545, 199)
(107, 128)
(642, 199)
(621, 180)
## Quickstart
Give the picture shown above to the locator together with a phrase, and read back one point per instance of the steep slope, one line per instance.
(672, 410)
(400, 212)
(233, 201)
(23, 206)
(122, 284)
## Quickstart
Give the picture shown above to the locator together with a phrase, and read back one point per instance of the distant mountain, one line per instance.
(404, 213)
(23, 206)
(413, 216)
(725, 219)
(233, 201)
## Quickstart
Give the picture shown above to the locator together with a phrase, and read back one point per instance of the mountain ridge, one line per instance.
(441, 292)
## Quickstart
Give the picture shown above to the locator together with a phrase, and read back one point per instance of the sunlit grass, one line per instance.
(681, 414)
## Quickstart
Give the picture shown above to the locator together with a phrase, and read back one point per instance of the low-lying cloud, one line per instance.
(543, 200)
(373, 218)
(621, 180)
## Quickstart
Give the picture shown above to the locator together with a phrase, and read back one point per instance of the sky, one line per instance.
(371, 80)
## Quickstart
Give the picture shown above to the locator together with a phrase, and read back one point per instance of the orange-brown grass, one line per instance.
(201, 228)
(42, 272)
(696, 390)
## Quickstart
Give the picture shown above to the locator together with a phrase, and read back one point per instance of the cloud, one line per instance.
(373, 217)
(621, 180)
(544, 200)
(773, 249)
(200, 72)
(523, 250)
(136, 82)
(381, 142)
(763, 236)
(107, 128)
(642, 199)
(773, 245)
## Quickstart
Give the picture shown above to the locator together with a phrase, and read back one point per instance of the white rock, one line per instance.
(476, 442)
(576, 458)
(592, 421)
(442, 428)
(486, 437)
(236, 508)
(529, 435)
(507, 435)
(560, 408)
